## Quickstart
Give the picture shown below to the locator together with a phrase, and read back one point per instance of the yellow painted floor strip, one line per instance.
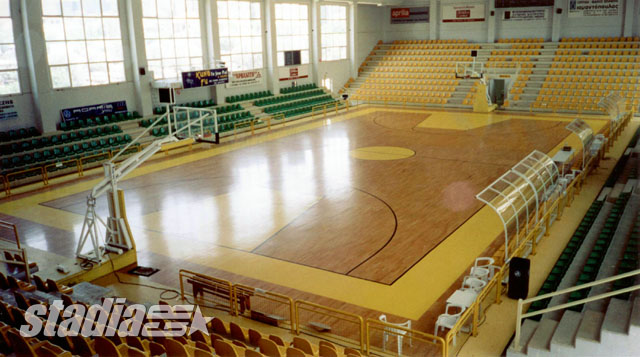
(409, 297)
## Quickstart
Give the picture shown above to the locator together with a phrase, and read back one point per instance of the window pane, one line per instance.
(116, 72)
(93, 28)
(153, 49)
(149, 8)
(74, 28)
(195, 47)
(180, 28)
(111, 28)
(51, 7)
(8, 57)
(91, 8)
(193, 11)
(53, 28)
(150, 28)
(114, 50)
(240, 36)
(60, 77)
(71, 8)
(6, 29)
(110, 7)
(9, 83)
(77, 51)
(95, 51)
(57, 53)
(80, 75)
(99, 73)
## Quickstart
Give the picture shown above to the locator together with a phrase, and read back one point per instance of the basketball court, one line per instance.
(359, 208)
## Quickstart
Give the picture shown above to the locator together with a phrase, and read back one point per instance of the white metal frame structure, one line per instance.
(117, 238)
(192, 114)
(473, 69)
(525, 187)
(585, 133)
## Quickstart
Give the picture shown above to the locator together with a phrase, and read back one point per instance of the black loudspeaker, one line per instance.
(166, 95)
(492, 13)
(345, 96)
(474, 53)
(518, 278)
(558, 11)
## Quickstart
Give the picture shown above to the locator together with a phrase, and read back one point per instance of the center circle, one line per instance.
(381, 153)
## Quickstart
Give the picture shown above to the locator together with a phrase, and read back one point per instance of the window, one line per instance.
(292, 30)
(9, 83)
(172, 36)
(240, 34)
(333, 27)
(328, 83)
(84, 44)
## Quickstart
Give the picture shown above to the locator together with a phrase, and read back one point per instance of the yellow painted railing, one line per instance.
(382, 337)
(329, 321)
(221, 290)
(250, 299)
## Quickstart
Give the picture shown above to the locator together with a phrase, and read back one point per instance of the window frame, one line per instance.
(308, 35)
(13, 43)
(321, 32)
(85, 42)
(251, 36)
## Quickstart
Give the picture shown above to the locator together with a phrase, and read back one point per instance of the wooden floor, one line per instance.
(300, 212)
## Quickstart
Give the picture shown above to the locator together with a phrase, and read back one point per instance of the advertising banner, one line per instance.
(463, 13)
(293, 72)
(585, 8)
(7, 110)
(92, 111)
(209, 77)
(244, 78)
(409, 15)
(525, 15)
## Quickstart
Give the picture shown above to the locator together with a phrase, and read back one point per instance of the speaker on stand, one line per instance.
(518, 278)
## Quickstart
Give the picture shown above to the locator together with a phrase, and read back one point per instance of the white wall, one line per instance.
(392, 32)
(368, 29)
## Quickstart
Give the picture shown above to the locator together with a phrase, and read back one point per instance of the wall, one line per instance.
(368, 29)
(472, 31)
(338, 71)
(594, 26)
(392, 32)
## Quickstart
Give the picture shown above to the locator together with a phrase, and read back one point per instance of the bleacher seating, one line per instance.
(248, 96)
(98, 121)
(299, 88)
(18, 134)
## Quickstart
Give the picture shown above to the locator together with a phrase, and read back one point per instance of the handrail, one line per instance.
(358, 318)
(427, 337)
(187, 273)
(9, 225)
(271, 296)
(520, 315)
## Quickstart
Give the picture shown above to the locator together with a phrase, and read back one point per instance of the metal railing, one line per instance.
(221, 290)
(381, 337)
(521, 303)
(274, 306)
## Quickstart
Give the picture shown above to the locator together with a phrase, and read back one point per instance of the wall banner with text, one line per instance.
(409, 15)
(293, 72)
(585, 8)
(463, 13)
(7, 110)
(525, 15)
(244, 78)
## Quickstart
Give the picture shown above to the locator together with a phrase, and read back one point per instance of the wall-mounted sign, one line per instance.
(525, 15)
(244, 78)
(409, 15)
(92, 111)
(583, 8)
(7, 110)
(293, 72)
(463, 13)
(522, 3)
(209, 77)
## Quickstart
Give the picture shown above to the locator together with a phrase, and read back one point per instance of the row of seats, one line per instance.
(248, 96)
(199, 104)
(605, 60)
(392, 59)
(18, 134)
(425, 42)
(434, 47)
(600, 39)
(515, 53)
(504, 64)
(440, 82)
(591, 85)
(68, 152)
(410, 75)
(526, 46)
(565, 98)
(596, 256)
(566, 257)
(425, 88)
(521, 40)
(629, 261)
(98, 121)
(449, 69)
(49, 141)
(511, 59)
(299, 88)
(288, 98)
(422, 53)
(597, 52)
(581, 73)
(296, 104)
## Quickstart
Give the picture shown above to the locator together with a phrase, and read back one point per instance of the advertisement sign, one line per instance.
(522, 3)
(463, 13)
(92, 111)
(244, 78)
(293, 72)
(7, 110)
(525, 15)
(209, 77)
(409, 15)
(584, 8)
